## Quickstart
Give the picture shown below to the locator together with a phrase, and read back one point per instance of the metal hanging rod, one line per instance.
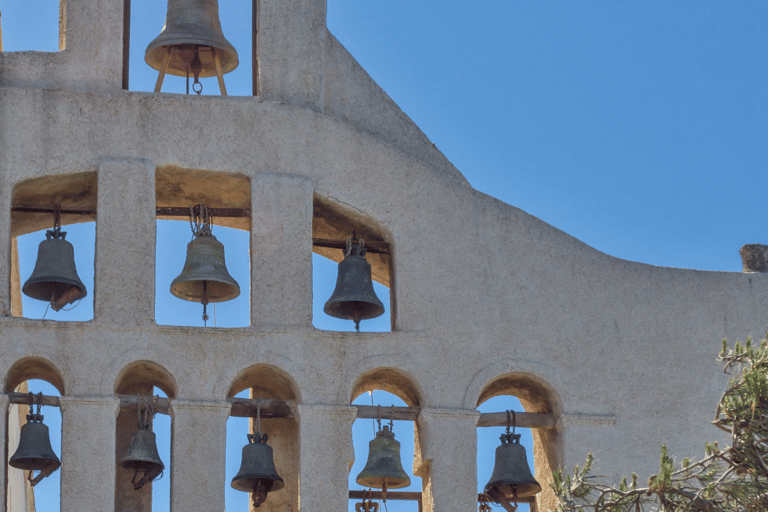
(339, 243)
(160, 211)
(273, 408)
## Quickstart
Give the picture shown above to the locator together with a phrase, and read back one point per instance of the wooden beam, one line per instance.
(246, 408)
(522, 419)
(341, 243)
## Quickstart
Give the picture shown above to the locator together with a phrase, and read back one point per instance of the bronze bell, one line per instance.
(354, 298)
(511, 476)
(35, 452)
(192, 42)
(55, 278)
(142, 457)
(205, 277)
(257, 473)
(383, 470)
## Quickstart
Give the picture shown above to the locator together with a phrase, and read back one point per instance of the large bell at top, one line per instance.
(142, 457)
(383, 468)
(55, 278)
(35, 451)
(354, 298)
(195, 25)
(204, 277)
(511, 476)
(257, 473)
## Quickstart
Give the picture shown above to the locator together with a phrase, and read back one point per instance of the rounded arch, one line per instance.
(143, 373)
(525, 380)
(391, 380)
(33, 368)
(266, 381)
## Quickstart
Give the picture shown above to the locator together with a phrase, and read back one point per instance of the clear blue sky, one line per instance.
(637, 127)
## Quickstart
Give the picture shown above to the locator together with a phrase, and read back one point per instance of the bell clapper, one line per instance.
(204, 302)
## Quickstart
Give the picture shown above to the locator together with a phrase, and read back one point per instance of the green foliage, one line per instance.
(734, 479)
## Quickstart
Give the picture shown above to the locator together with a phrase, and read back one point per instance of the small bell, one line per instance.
(55, 278)
(511, 477)
(34, 452)
(257, 473)
(354, 298)
(383, 469)
(204, 277)
(142, 457)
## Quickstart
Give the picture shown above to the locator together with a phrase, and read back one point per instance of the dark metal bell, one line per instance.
(205, 277)
(55, 278)
(193, 23)
(257, 473)
(142, 457)
(354, 298)
(511, 475)
(383, 468)
(35, 451)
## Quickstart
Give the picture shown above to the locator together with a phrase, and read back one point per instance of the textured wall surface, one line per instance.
(489, 300)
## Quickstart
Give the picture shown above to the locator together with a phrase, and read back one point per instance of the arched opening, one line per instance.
(145, 20)
(332, 226)
(263, 382)
(143, 380)
(52, 222)
(41, 29)
(521, 392)
(378, 391)
(488, 441)
(227, 197)
(33, 375)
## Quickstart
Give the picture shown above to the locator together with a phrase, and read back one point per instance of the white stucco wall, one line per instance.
(483, 290)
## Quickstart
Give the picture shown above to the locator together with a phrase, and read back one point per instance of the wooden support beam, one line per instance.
(341, 243)
(522, 419)
(246, 408)
(391, 495)
(400, 413)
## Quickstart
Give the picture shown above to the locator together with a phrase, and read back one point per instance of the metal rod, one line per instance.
(126, 40)
(274, 408)
(217, 63)
(255, 47)
(161, 211)
(522, 419)
(183, 211)
(487, 419)
(338, 243)
(163, 69)
(391, 495)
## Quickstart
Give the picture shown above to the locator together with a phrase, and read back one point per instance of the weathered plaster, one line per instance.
(489, 300)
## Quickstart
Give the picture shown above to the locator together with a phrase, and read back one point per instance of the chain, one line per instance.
(392, 418)
(200, 221)
(258, 416)
(146, 410)
(56, 232)
(378, 416)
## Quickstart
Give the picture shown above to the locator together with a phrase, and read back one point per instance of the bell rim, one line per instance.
(36, 467)
(190, 298)
(277, 481)
(328, 309)
(42, 279)
(534, 485)
(369, 482)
